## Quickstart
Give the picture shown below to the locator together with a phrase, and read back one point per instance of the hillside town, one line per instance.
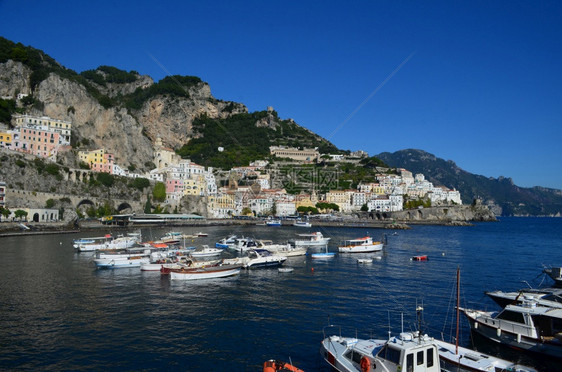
(253, 190)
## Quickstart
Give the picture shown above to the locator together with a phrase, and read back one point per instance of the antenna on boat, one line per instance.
(389, 332)
(401, 322)
(458, 305)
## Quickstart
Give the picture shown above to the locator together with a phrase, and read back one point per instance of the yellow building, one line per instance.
(92, 157)
(5, 139)
(195, 186)
(305, 200)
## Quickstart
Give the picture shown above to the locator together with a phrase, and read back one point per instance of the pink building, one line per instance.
(174, 186)
(38, 142)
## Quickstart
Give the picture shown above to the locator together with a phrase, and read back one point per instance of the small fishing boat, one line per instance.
(273, 222)
(210, 272)
(202, 235)
(109, 242)
(365, 260)
(226, 242)
(419, 258)
(315, 239)
(286, 269)
(205, 251)
(302, 224)
(283, 249)
(360, 245)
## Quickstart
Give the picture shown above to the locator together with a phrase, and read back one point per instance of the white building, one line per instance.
(285, 208)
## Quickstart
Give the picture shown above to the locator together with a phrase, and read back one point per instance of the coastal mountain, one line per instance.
(500, 194)
(124, 112)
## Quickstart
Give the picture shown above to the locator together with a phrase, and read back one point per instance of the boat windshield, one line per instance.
(390, 354)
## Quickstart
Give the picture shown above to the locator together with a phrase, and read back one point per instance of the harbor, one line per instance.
(61, 312)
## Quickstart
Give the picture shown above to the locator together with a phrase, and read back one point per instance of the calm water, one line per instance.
(58, 313)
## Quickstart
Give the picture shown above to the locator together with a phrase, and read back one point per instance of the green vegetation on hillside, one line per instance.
(242, 141)
(108, 74)
(174, 86)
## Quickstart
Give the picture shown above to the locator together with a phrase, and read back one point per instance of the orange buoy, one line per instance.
(365, 364)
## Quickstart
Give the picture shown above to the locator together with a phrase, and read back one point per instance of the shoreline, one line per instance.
(11, 229)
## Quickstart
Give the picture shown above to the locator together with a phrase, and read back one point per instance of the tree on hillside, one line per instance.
(159, 192)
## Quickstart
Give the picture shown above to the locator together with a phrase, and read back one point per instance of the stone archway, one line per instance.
(35, 217)
(124, 206)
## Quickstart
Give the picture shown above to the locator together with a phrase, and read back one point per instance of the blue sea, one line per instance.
(59, 313)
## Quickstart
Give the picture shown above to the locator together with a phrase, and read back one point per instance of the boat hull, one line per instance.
(205, 273)
(491, 329)
(361, 248)
(118, 263)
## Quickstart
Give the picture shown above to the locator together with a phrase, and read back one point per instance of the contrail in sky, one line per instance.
(371, 95)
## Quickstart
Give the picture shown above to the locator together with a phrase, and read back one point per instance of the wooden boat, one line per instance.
(210, 272)
(360, 245)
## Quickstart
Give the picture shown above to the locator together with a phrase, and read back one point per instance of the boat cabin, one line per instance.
(532, 321)
(409, 353)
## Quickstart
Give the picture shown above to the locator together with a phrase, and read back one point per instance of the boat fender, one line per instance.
(365, 364)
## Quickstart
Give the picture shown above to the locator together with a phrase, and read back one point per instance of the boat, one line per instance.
(285, 269)
(202, 235)
(410, 351)
(522, 326)
(243, 244)
(226, 242)
(302, 224)
(206, 251)
(122, 259)
(550, 297)
(276, 365)
(555, 273)
(360, 245)
(258, 258)
(323, 255)
(208, 272)
(419, 258)
(109, 242)
(365, 260)
(172, 237)
(315, 239)
(283, 249)
(275, 222)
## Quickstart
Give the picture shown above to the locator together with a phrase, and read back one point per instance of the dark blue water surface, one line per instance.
(58, 313)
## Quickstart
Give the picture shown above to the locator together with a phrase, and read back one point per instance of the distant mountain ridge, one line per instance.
(500, 194)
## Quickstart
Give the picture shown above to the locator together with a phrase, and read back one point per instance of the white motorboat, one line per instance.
(302, 224)
(121, 262)
(258, 258)
(315, 239)
(408, 352)
(286, 250)
(243, 244)
(360, 245)
(226, 242)
(550, 297)
(120, 242)
(365, 260)
(206, 251)
(208, 272)
(524, 326)
(323, 255)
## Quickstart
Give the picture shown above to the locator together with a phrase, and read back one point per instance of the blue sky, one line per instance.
(476, 82)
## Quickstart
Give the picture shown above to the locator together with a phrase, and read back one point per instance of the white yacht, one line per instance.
(315, 239)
